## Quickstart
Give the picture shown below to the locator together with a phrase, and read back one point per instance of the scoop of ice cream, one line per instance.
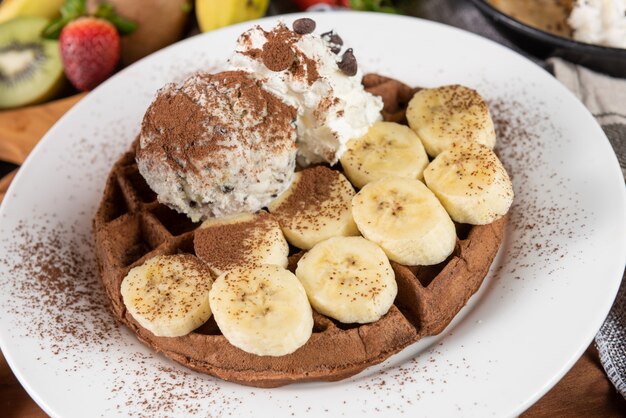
(311, 73)
(217, 144)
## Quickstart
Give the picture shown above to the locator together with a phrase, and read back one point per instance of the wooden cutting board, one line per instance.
(584, 392)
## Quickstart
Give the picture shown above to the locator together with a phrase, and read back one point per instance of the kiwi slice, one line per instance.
(30, 66)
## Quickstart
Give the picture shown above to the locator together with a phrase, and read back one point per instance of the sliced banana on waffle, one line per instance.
(471, 183)
(169, 294)
(406, 220)
(315, 207)
(450, 114)
(349, 279)
(240, 240)
(262, 310)
(387, 149)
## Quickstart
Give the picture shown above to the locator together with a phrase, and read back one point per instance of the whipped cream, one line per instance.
(332, 106)
(601, 22)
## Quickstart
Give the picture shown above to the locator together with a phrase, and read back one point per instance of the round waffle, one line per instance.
(131, 227)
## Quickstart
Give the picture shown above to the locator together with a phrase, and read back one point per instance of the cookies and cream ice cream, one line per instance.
(217, 144)
(316, 75)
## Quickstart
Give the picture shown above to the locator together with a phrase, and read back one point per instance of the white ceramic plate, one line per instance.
(549, 290)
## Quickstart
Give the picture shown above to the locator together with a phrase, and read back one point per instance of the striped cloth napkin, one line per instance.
(605, 97)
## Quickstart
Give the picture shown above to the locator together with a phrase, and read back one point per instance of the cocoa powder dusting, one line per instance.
(231, 245)
(278, 56)
(279, 53)
(57, 301)
(519, 127)
(307, 66)
(313, 186)
(310, 198)
(174, 119)
(64, 297)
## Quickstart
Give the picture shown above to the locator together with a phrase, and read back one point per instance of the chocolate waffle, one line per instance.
(131, 227)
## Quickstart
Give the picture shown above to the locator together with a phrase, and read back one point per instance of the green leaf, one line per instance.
(72, 9)
(186, 7)
(124, 26)
(388, 9)
(107, 12)
(104, 11)
(385, 6)
(54, 28)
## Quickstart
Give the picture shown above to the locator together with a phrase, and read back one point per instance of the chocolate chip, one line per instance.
(227, 189)
(304, 26)
(334, 41)
(348, 63)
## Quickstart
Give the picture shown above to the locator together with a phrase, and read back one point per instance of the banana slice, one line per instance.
(240, 240)
(349, 279)
(315, 207)
(262, 310)
(169, 294)
(450, 114)
(387, 149)
(471, 183)
(406, 220)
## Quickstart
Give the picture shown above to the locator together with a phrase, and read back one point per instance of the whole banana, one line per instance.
(48, 9)
(214, 14)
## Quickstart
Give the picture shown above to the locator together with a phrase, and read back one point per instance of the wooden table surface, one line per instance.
(584, 392)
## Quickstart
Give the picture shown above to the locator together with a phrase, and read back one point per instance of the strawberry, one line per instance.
(371, 5)
(305, 4)
(90, 45)
(90, 50)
